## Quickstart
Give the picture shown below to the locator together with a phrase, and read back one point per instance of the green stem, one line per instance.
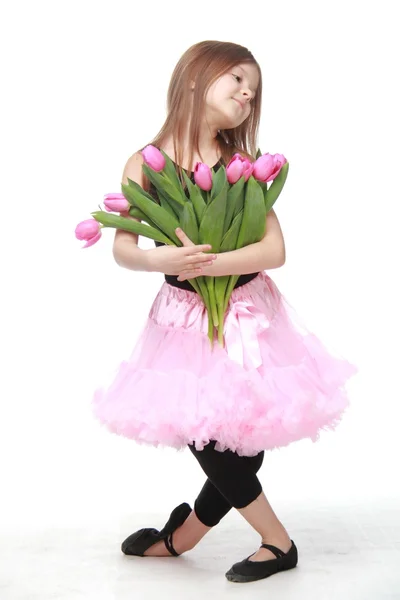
(211, 294)
(221, 314)
(213, 304)
(203, 293)
(210, 329)
(231, 284)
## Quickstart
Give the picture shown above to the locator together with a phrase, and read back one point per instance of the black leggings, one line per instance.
(232, 482)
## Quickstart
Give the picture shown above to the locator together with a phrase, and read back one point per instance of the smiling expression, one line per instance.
(228, 101)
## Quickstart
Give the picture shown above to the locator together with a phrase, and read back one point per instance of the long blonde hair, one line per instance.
(203, 64)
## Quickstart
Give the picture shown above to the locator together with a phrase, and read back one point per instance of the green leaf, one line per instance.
(239, 202)
(173, 208)
(254, 215)
(229, 241)
(219, 179)
(253, 225)
(139, 189)
(259, 153)
(212, 224)
(276, 187)
(110, 220)
(188, 181)
(167, 205)
(196, 198)
(162, 183)
(170, 170)
(234, 202)
(138, 214)
(188, 223)
(264, 188)
(198, 203)
(159, 216)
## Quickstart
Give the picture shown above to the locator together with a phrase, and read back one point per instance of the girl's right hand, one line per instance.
(172, 260)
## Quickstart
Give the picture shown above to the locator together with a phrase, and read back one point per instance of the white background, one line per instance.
(83, 87)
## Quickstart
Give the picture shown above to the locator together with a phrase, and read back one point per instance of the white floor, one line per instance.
(345, 552)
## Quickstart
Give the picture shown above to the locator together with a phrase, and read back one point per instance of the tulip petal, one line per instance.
(203, 176)
(153, 158)
(86, 229)
(117, 204)
(263, 167)
(114, 196)
(234, 169)
(92, 241)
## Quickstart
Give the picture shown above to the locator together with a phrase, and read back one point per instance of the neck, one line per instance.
(208, 143)
(208, 146)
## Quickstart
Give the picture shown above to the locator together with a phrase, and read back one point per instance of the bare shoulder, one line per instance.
(133, 170)
(272, 216)
(273, 227)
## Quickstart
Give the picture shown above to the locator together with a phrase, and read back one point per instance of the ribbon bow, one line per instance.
(242, 325)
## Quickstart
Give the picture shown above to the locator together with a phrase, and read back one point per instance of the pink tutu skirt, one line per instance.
(272, 384)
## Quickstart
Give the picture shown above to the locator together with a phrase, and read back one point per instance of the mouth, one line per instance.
(241, 104)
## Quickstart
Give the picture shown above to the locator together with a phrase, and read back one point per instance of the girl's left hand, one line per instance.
(194, 271)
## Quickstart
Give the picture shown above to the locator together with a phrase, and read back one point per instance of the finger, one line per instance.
(186, 241)
(191, 268)
(189, 274)
(198, 249)
(188, 244)
(206, 258)
(193, 262)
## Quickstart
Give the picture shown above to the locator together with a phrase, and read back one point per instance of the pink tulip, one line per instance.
(248, 169)
(267, 167)
(237, 167)
(203, 176)
(116, 203)
(234, 169)
(153, 158)
(89, 230)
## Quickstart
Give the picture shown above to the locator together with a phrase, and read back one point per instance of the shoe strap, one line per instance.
(169, 546)
(278, 553)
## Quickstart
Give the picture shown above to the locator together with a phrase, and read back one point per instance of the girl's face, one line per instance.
(229, 97)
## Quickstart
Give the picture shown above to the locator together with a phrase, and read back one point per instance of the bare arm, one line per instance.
(269, 253)
(126, 251)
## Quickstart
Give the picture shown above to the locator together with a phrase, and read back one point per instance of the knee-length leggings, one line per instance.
(232, 482)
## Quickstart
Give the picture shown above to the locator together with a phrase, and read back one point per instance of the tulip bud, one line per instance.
(153, 158)
(279, 161)
(247, 168)
(234, 169)
(116, 202)
(203, 176)
(239, 165)
(88, 230)
(267, 167)
(263, 167)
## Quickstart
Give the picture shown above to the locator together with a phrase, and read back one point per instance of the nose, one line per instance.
(247, 93)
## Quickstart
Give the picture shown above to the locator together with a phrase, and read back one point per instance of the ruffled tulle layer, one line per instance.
(276, 382)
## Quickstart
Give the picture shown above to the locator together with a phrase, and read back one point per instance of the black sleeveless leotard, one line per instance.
(185, 285)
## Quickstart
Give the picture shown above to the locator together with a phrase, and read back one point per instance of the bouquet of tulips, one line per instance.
(226, 209)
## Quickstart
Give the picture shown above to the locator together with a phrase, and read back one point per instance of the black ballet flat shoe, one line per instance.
(140, 541)
(248, 570)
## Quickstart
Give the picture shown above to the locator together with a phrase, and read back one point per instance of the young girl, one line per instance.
(279, 385)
